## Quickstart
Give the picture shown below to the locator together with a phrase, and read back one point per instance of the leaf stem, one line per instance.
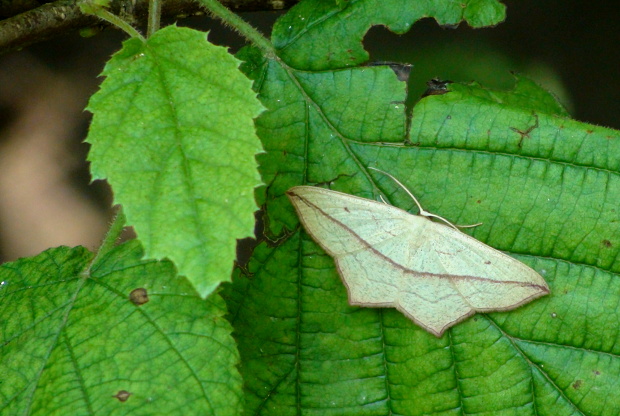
(236, 23)
(154, 17)
(96, 10)
(109, 241)
(113, 234)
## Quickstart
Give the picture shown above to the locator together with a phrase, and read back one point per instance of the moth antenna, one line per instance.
(422, 211)
(430, 214)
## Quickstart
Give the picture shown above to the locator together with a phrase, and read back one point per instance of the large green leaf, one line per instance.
(321, 34)
(545, 188)
(78, 337)
(173, 133)
(307, 105)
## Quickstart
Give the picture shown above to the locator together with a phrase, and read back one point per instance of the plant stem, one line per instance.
(154, 17)
(113, 234)
(109, 241)
(240, 25)
(100, 12)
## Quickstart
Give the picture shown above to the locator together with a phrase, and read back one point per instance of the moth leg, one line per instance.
(469, 226)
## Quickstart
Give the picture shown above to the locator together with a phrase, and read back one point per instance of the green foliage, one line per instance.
(173, 134)
(543, 201)
(309, 112)
(73, 340)
(162, 135)
(304, 37)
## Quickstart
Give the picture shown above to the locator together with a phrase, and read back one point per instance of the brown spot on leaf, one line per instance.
(487, 262)
(577, 384)
(347, 209)
(122, 395)
(436, 87)
(401, 70)
(606, 243)
(139, 296)
(596, 372)
(525, 133)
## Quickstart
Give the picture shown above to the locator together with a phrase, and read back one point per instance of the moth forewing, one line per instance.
(436, 275)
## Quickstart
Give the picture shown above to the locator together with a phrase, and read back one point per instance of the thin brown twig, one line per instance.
(63, 16)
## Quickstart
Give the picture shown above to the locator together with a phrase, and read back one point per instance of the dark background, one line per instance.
(570, 47)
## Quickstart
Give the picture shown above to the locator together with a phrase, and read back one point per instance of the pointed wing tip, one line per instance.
(291, 193)
(543, 287)
(294, 191)
(434, 330)
(303, 193)
(438, 334)
(295, 198)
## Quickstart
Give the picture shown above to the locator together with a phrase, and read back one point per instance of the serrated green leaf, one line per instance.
(545, 188)
(72, 341)
(304, 37)
(173, 133)
(525, 94)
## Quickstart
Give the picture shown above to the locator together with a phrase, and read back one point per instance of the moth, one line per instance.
(432, 272)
